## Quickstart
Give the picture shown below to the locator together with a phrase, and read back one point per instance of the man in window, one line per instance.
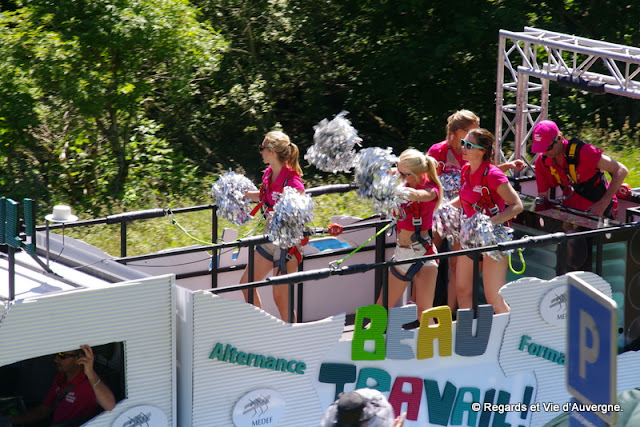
(76, 394)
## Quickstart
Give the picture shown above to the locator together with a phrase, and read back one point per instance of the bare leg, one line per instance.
(494, 276)
(396, 289)
(452, 298)
(464, 282)
(425, 284)
(281, 292)
(261, 267)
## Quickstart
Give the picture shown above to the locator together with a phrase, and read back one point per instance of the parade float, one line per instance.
(179, 346)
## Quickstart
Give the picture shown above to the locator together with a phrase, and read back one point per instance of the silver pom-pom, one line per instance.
(478, 231)
(446, 222)
(376, 181)
(229, 191)
(290, 214)
(333, 145)
(450, 184)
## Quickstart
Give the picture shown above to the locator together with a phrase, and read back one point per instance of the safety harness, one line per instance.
(413, 208)
(485, 204)
(441, 160)
(592, 189)
(285, 254)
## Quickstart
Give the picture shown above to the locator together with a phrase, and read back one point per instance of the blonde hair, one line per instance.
(420, 165)
(287, 151)
(461, 120)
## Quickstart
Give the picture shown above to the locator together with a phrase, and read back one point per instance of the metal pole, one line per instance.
(250, 264)
(214, 239)
(123, 238)
(380, 276)
(12, 272)
(300, 293)
(476, 282)
(47, 240)
(291, 295)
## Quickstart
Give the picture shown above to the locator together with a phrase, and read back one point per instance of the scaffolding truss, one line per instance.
(529, 60)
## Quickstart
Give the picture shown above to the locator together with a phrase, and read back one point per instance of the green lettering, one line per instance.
(216, 352)
(300, 367)
(524, 342)
(242, 358)
(271, 363)
(251, 356)
(378, 324)
(259, 362)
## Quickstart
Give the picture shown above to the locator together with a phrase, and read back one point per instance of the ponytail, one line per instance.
(286, 150)
(422, 165)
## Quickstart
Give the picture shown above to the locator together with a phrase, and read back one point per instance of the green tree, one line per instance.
(79, 80)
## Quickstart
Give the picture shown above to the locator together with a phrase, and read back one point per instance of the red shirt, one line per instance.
(439, 151)
(549, 174)
(79, 402)
(286, 176)
(480, 188)
(425, 209)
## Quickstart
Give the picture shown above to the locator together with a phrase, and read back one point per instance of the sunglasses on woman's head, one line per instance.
(469, 145)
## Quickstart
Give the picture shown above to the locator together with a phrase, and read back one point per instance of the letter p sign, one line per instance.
(592, 342)
(589, 342)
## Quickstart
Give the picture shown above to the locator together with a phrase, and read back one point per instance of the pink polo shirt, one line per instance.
(439, 151)
(481, 189)
(425, 209)
(286, 177)
(588, 159)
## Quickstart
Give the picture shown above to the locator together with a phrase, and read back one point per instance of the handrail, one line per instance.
(523, 243)
(299, 277)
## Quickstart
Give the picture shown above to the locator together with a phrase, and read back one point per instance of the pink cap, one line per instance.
(543, 134)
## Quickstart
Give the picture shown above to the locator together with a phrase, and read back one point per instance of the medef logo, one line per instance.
(142, 416)
(261, 407)
(553, 306)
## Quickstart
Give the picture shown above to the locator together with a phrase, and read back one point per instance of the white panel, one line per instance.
(217, 386)
(524, 297)
(138, 313)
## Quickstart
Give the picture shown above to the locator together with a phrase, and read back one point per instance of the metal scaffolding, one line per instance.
(528, 60)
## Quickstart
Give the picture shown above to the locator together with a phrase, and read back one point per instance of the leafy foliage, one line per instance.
(114, 104)
(85, 73)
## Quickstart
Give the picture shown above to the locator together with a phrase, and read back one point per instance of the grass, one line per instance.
(152, 235)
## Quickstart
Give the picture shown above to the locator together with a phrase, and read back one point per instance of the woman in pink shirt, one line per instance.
(448, 155)
(484, 188)
(423, 190)
(281, 155)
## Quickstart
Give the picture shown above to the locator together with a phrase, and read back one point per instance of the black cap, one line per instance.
(359, 408)
(350, 406)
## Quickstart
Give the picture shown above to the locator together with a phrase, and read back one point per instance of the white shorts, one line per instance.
(414, 251)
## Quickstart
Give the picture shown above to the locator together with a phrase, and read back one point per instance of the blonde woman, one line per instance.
(424, 192)
(284, 170)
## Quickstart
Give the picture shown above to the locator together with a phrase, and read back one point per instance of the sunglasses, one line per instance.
(469, 145)
(551, 145)
(63, 356)
(403, 175)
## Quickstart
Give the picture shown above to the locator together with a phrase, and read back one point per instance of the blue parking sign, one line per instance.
(592, 346)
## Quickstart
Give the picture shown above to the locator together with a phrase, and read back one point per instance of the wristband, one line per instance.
(97, 382)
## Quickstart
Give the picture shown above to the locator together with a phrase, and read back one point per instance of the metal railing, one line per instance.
(297, 280)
